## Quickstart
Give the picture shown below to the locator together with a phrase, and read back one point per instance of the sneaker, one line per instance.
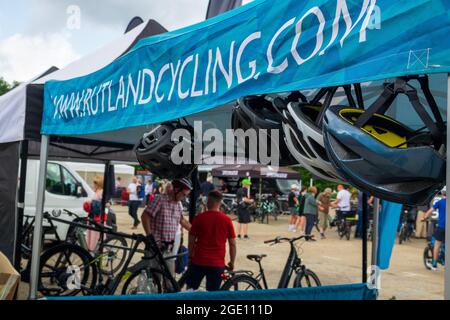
(322, 236)
(239, 237)
(290, 227)
(294, 230)
(246, 237)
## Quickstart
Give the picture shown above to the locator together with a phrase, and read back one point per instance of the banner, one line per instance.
(266, 46)
(388, 224)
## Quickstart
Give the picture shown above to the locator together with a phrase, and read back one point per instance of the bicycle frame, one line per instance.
(292, 264)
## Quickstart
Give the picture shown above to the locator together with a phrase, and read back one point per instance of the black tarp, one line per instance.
(9, 169)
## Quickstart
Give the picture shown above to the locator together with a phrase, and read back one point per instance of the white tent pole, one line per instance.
(447, 225)
(37, 235)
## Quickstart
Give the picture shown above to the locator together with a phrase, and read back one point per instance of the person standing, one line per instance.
(244, 201)
(206, 187)
(223, 186)
(148, 191)
(293, 206)
(359, 228)
(208, 236)
(133, 201)
(95, 212)
(310, 210)
(439, 234)
(323, 207)
(301, 221)
(164, 215)
(342, 202)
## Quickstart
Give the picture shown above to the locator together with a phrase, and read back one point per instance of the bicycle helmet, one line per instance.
(303, 131)
(154, 151)
(255, 112)
(384, 157)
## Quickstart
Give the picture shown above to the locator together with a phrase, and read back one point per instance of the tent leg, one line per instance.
(374, 271)
(194, 195)
(21, 202)
(37, 235)
(447, 226)
(364, 237)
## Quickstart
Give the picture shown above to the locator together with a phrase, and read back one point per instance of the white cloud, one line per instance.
(23, 57)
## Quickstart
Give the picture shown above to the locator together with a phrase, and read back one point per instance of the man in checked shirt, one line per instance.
(164, 215)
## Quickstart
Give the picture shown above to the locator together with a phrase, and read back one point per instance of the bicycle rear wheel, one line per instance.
(241, 282)
(428, 257)
(66, 270)
(306, 278)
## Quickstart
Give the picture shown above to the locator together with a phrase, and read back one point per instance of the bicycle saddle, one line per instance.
(256, 257)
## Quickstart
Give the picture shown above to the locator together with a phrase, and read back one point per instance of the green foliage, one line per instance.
(5, 86)
(320, 184)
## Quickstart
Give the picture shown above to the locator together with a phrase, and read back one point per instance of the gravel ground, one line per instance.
(335, 261)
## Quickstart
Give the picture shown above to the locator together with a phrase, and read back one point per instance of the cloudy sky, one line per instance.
(38, 34)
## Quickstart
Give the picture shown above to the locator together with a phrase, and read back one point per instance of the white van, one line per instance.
(65, 189)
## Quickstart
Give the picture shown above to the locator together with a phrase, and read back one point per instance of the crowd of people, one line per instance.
(211, 230)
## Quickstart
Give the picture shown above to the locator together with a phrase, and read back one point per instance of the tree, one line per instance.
(320, 184)
(5, 86)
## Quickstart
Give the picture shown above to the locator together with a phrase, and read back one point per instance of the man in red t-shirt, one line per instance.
(207, 245)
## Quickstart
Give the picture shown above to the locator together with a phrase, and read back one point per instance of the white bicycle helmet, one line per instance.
(303, 132)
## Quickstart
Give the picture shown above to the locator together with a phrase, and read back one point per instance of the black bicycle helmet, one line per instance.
(154, 151)
(384, 157)
(256, 112)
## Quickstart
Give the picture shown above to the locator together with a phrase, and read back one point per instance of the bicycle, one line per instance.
(247, 280)
(428, 254)
(407, 225)
(157, 279)
(109, 252)
(345, 224)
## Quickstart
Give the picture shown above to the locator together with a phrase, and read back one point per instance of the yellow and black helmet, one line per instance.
(384, 157)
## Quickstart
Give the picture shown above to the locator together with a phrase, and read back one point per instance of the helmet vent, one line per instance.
(319, 149)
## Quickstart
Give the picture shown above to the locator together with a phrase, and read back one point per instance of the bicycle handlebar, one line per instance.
(279, 239)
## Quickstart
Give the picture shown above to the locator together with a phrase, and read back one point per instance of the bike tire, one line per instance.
(59, 275)
(158, 279)
(309, 277)
(247, 282)
(427, 257)
(122, 256)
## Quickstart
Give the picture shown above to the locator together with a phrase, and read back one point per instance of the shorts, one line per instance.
(244, 216)
(323, 220)
(439, 234)
(195, 275)
(293, 211)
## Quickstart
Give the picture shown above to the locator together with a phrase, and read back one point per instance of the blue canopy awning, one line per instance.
(265, 46)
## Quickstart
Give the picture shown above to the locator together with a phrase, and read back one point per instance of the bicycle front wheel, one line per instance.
(241, 282)
(66, 270)
(160, 282)
(428, 257)
(114, 254)
(306, 278)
